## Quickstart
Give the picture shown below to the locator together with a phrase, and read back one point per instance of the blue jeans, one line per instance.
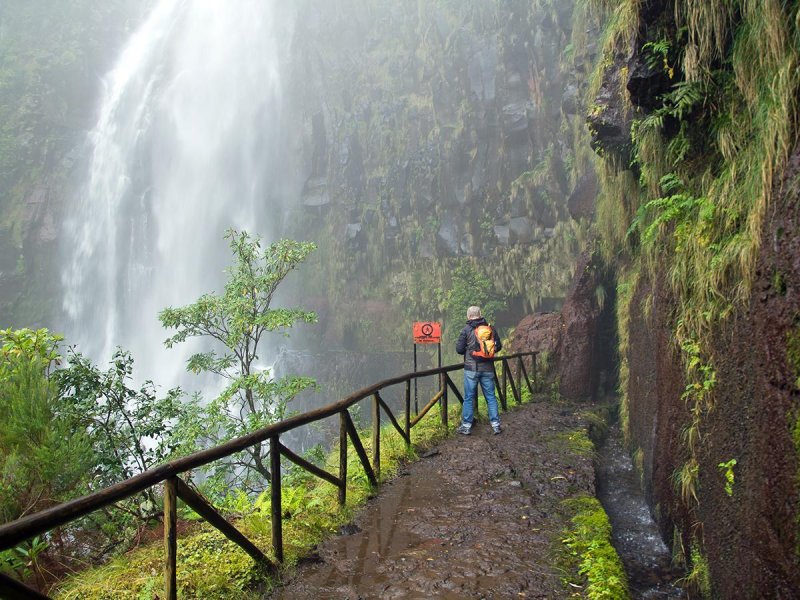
(471, 380)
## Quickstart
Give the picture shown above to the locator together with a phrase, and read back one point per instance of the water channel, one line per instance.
(647, 560)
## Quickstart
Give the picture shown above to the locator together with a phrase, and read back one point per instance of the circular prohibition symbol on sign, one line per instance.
(429, 332)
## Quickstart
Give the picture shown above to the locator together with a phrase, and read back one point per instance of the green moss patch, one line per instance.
(592, 568)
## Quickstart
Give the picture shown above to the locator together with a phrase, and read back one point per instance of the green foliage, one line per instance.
(24, 561)
(130, 430)
(793, 353)
(698, 579)
(211, 567)
(590, 553)
(43, 455)
(236, 322)
(657, 56)
(727, 472)
(469, 287)
(23, 346)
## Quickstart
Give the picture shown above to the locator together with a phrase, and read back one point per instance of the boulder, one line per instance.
(354, 234)
(569, 336)
(539, 332)
(521, 230)
(448, 239)
(581, 202)
(515, 118)
(503, 234)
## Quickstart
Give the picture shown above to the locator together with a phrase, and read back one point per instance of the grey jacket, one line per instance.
(468, 343)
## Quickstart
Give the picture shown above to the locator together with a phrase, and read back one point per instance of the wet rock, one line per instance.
(521, 230)
(609, 118)
(503, 234)
(356, 239)
(315, 194)
(581, 202)
(569, 100)
(576, 352)
(482, 69)
(448, 237)
(569, 336)
(349, 529)
(468, 244)
(515, 118)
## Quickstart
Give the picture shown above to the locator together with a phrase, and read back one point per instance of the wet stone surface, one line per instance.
(476, 520)
(635, 535)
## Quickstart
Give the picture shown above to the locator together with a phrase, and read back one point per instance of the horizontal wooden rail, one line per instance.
(11, 534)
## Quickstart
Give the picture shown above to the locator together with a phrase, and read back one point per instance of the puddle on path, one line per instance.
(360, 557)
(475, 520)
(635, 534)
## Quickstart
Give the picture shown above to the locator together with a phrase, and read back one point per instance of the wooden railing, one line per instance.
(39, 523)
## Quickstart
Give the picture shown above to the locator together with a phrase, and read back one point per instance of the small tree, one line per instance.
(469, 287)
(43, 456)
(238, 320)
(131, 430)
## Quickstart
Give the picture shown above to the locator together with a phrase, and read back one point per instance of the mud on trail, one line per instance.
(477, 518)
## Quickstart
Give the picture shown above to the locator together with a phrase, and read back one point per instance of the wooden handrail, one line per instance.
(14, 532)
(17, 531)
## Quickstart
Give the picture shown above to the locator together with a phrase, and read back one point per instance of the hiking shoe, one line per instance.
(463, 430)
(496, 429)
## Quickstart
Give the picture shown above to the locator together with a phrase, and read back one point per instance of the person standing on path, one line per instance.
(477, 370)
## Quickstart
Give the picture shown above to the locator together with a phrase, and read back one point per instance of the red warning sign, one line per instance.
(427, 332)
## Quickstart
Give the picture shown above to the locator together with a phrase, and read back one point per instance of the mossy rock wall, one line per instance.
(51, 58)
(433, 134)
(698, 215)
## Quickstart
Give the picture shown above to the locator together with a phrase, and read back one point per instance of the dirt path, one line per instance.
(476, 519)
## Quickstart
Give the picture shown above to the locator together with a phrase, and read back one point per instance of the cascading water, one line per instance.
(186, 145)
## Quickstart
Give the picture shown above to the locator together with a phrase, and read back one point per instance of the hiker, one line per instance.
(478, 342)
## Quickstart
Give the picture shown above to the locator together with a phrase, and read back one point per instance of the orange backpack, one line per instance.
(485, 337)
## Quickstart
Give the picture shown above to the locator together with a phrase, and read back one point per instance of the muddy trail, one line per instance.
(477, 517)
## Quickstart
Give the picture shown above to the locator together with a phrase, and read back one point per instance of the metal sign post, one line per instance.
(425, 332)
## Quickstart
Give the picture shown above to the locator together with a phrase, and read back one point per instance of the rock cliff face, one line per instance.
(434, 134)
(426, 135)
(579, 340)
(711, 404)
(51, 57)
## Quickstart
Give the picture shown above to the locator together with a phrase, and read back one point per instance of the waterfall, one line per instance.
(186, 145)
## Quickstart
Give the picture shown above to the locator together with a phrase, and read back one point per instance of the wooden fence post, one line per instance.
(376, 436)
(170, 539)
(343, 456)
(275, 497)
(443, 384)
(501, 391)
(408, 413)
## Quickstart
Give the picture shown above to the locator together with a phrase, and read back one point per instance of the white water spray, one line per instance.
(185, 146)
